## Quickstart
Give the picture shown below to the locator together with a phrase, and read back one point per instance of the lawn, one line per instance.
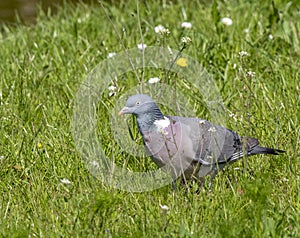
(51, 183)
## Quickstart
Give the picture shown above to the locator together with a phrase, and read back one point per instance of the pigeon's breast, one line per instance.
(170, 145)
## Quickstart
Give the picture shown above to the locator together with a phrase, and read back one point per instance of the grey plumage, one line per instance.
(188, 147)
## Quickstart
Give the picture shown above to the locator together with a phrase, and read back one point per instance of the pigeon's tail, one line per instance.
(253, 148)
(263, 150)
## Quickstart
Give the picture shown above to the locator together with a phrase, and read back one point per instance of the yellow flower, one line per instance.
(40, 145)
(182, 62)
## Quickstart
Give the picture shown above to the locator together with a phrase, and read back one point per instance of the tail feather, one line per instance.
(263, 150)
(253, 148)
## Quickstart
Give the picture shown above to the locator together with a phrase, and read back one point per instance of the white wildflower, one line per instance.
(212, 129)
(112, 91)
(142, 46)
(1, 157)
(247, 30)
(271, 37)
(226, 21)
(112, 88)
(159, 29)
(166, 32)
(233, 116)
(164, 207)
(186, 25)
(111, 54)
(250, 74)
(153, 80)
(243, 53)
(65, 181)
(186, 40)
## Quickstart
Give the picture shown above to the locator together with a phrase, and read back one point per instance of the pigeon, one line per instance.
(190, 148)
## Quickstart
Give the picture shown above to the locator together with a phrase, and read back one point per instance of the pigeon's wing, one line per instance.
(211, 144)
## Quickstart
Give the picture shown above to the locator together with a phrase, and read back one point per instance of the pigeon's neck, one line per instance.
(146, 120)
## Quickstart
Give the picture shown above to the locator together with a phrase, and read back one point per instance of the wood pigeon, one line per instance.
(188, 147)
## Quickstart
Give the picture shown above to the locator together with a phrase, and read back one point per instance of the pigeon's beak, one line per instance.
(123, 111)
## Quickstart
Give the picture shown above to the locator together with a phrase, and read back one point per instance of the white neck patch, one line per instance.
(162, 124)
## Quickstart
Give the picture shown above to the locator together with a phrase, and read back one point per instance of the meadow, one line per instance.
(46, 188)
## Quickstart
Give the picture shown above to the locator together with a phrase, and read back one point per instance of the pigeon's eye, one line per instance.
(138, 103)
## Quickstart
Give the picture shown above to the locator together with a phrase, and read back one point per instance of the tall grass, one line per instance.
(42, 67)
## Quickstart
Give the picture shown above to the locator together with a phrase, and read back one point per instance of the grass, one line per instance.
(42, 68)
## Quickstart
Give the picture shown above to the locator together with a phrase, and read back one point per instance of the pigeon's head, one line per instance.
(138, 105)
